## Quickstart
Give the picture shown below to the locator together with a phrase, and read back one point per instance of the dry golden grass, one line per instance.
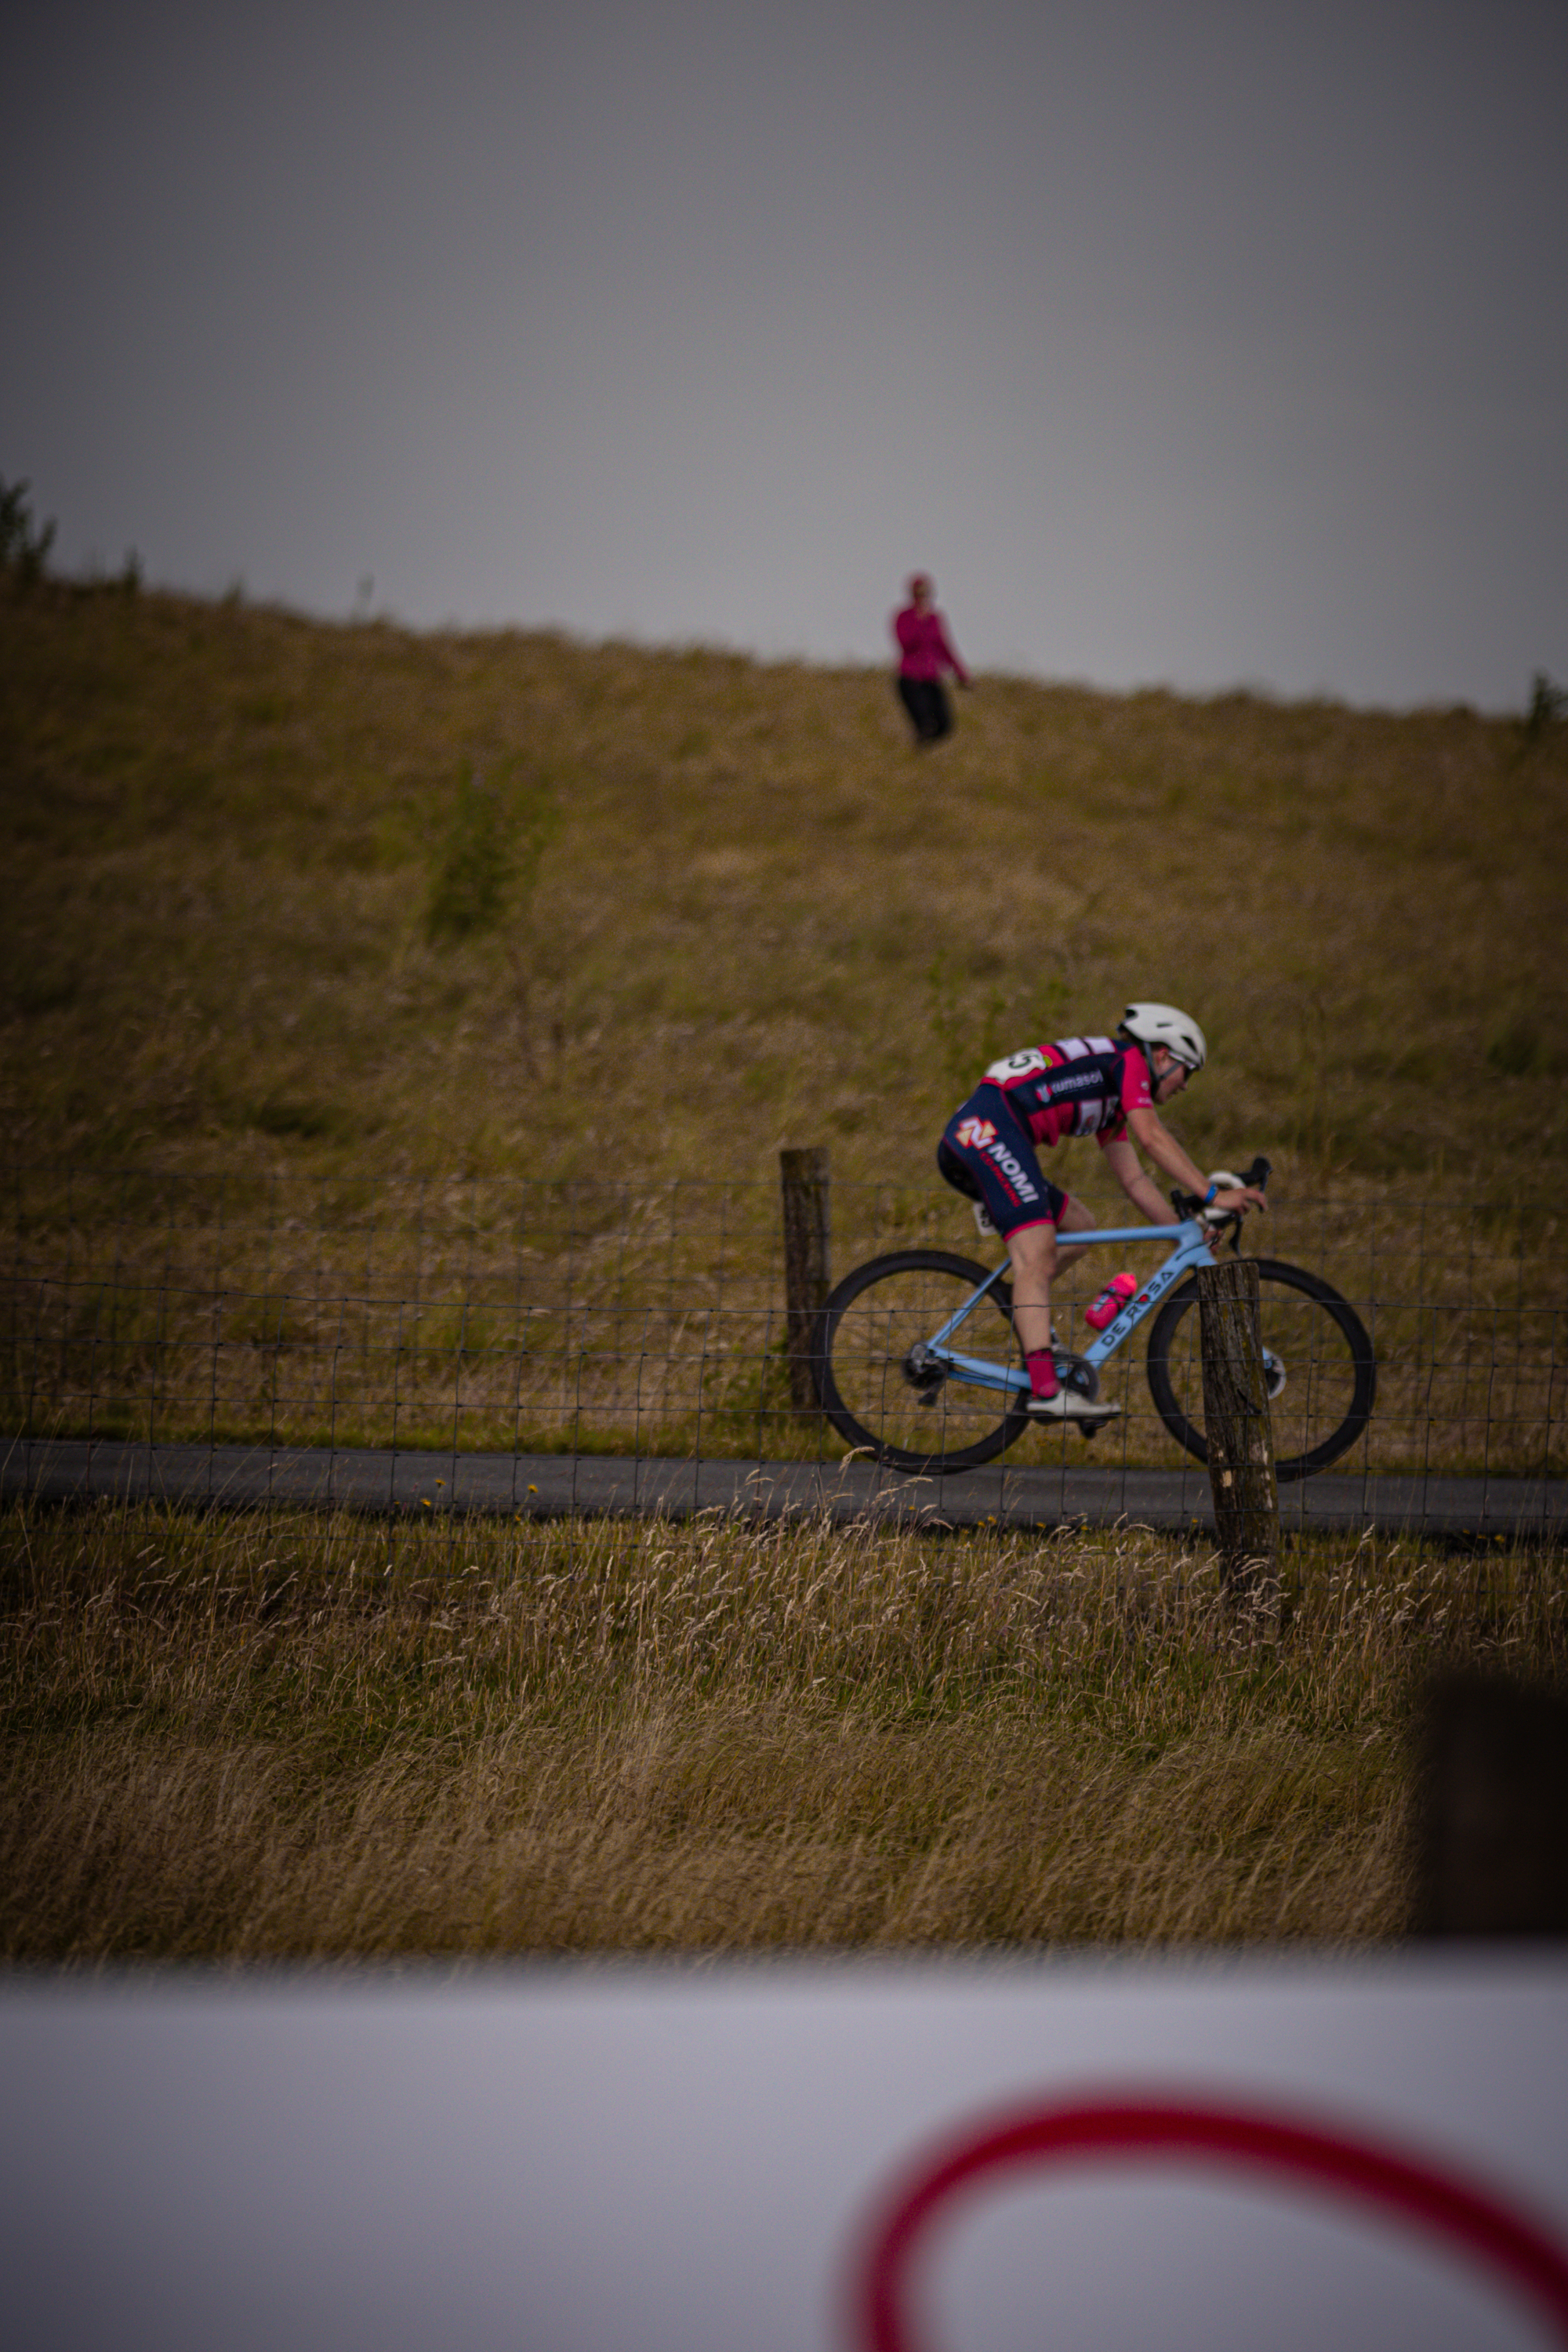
(761, 917)
(237, 1740)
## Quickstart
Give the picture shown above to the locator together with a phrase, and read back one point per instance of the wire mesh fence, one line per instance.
(577, 1316)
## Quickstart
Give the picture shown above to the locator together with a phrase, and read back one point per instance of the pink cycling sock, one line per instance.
(1042, 1367)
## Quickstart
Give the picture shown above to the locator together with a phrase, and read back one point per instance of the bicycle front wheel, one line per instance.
(1323, 1380)
(875, 1390)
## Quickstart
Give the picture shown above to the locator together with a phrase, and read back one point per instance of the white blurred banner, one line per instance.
(791, 2158)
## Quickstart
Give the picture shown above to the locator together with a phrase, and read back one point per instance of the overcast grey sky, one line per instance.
(1207, 344)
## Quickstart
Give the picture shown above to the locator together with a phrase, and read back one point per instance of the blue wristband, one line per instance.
(1208, 1196)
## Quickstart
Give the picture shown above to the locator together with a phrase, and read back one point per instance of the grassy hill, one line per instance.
(261, 918)
(258, 915)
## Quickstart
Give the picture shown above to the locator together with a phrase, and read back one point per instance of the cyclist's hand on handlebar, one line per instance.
(1236, 1200)
(1234, 1195)
(1226, 1210)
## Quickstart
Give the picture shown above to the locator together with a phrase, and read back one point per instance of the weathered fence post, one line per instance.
(807, 1279)
(1493, 1799)
(1240, 1438)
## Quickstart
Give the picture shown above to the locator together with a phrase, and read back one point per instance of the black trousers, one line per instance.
(931, 713)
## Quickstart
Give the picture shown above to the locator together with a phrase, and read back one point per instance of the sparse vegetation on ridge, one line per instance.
(243, 930)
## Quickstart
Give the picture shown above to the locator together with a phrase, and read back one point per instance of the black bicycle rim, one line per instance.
(870, 1324)
(1330, 1377)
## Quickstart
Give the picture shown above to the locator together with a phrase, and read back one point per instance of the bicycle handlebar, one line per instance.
(1191, 1204)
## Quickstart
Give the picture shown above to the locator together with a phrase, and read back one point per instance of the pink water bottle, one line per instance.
(1110, 1302)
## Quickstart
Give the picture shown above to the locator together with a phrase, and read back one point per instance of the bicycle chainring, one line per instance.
(1076, 1372)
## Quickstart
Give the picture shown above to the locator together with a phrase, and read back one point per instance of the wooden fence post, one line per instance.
(1240, 1438)
(1493, 1798)
(807, 1279)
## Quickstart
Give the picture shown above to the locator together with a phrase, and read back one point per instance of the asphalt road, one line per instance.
(550, 1486)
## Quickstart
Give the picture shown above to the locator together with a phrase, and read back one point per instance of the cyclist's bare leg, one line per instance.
(1037, 1258)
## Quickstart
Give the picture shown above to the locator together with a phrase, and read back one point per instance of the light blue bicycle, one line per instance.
(917, 1361)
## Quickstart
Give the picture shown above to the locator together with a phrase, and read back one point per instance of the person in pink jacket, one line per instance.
(923, 654)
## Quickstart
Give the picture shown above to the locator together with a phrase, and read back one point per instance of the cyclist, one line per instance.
(1108, 1088)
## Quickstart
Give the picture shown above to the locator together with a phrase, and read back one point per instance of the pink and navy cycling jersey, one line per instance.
(1080, 1086)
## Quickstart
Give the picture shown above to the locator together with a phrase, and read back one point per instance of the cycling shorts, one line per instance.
(985, 1154)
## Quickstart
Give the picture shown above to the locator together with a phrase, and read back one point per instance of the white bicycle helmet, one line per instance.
(1161, 1025)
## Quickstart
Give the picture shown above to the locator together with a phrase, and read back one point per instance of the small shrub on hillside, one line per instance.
(1548, 709)
(472, 870)
(487, 862)
(24, 548)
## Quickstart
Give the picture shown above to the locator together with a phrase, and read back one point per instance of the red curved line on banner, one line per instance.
(1468, 2217)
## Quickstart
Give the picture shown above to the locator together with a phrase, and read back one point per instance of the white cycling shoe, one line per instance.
(1068, 1405)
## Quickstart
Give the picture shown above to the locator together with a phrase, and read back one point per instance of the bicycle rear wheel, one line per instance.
(873, 1387)
(1322, 1379)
